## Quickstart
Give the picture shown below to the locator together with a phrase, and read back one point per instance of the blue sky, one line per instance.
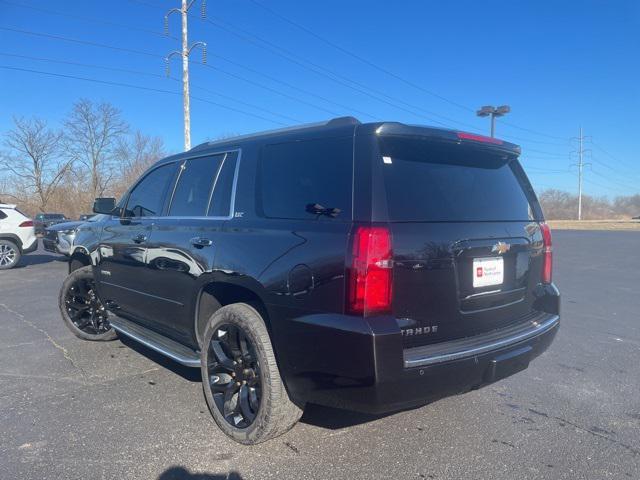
(559, 65)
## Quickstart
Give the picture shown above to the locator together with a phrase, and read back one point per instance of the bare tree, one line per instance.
(93, 132)
(137, 153)
(34, 158)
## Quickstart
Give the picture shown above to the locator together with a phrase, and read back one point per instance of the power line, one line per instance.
(140, 52)
(384, 70)
(155, 75)
(596, 184)
(86, 65)
(290, 85)
(332, 75)
(628, 165)
(81, 42)
(139, 87)
(85, 19)
(551, 154)
(335, 77)
(150, 54)
(358, 57)
(616, 182)
(264, 87)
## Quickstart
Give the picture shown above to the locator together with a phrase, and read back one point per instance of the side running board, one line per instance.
(161, 344)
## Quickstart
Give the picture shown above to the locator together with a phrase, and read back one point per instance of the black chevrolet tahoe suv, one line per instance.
(372, 267)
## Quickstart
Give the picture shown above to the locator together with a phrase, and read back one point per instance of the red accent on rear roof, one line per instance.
(478, 138)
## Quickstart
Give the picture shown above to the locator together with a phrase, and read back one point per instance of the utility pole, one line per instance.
(184, 53)
(581, 164)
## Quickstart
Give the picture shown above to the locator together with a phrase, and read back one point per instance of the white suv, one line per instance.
(17, 236)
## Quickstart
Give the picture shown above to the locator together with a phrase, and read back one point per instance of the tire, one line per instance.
(81, 310)
(9, 254)
(275, 413)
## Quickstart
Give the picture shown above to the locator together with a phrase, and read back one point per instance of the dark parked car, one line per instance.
(44, 220)
(58, 238)
(372, 267)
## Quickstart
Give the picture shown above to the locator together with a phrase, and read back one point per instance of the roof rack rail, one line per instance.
(334, 122)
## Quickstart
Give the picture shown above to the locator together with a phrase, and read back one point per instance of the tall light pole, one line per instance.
(184, 53)
(489, 110)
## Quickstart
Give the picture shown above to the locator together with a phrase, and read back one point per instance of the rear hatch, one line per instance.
(467, 245)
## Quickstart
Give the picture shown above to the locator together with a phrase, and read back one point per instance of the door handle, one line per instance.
(200, 242)
(140, 238)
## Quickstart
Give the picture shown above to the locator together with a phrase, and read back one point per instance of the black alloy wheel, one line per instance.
(81, 309)
(234, 375)
(85, 309)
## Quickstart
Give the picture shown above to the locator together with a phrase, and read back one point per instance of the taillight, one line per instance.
(478, 138)
(371, 273)
(547, 258)
(26, 223)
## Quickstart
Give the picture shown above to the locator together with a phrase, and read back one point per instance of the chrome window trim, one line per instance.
(215, 182)
(233, 187)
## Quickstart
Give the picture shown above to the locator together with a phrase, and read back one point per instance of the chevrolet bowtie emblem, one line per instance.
(500, 248)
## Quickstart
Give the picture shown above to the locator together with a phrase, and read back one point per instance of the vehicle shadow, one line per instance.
(181, 473)
(335, 418)
(188, 373)
(316, 415)
(32, 259)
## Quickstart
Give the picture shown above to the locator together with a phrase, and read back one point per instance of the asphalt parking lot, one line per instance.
(79, 410)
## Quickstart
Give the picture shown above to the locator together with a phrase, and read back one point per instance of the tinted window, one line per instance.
(2, 215)
(430, 182)
(294, 176)
(221, 199)
(148, 196)
(192, 194)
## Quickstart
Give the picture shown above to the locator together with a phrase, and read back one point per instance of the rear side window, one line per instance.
(148, 196)
(429, 182)
(2, 215)
(223, 188)
(193, 191)
(292, 177)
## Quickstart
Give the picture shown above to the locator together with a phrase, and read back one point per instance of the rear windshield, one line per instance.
(431, 182)
(53, 216)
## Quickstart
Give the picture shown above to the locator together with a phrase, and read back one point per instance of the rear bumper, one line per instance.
(343, 363)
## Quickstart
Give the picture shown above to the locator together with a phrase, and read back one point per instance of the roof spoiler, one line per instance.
(400, 129)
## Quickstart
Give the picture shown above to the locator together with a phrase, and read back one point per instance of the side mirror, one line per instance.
(104, 205)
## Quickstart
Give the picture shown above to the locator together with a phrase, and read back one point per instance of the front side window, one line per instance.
(148, 196)
(306, 180)
(191, 197)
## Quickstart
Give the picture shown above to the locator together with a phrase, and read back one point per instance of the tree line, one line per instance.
(560, 205)
(95, 153)
(92, 153)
